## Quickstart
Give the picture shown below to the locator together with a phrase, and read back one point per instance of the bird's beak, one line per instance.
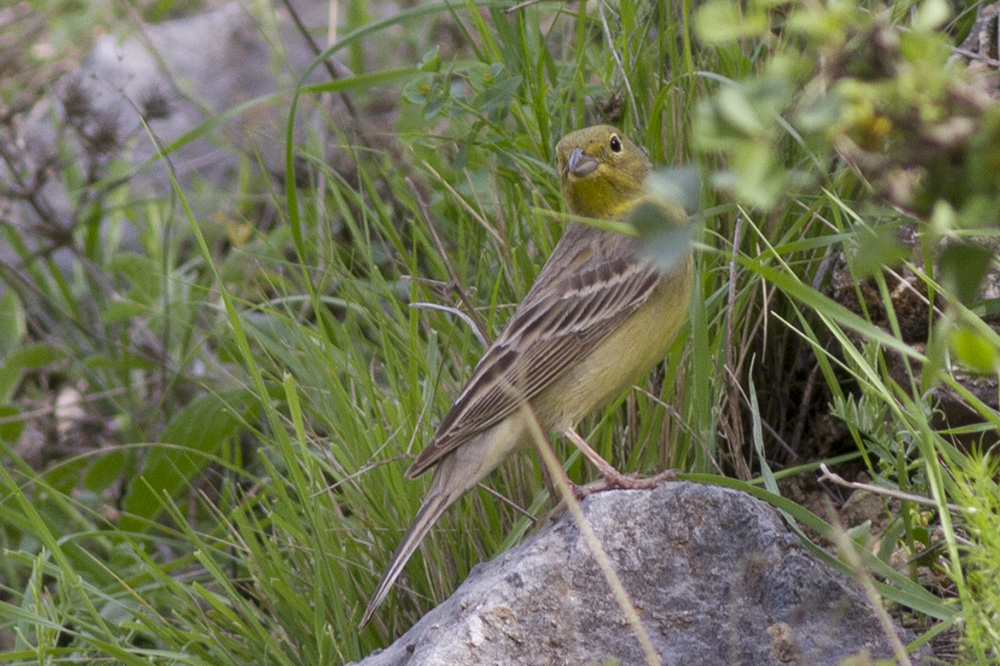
(581, 164)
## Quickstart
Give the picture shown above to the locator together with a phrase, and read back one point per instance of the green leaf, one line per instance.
(723, 21)
(660, 218)
(362, 81)
(876, 249)
(761, 180)
(31, 356)
(498, 95)
(930, 15)
(963, 266)
(10, 429)
(105, 471)
(12, 323)
(144, 274)
(734, 106)
(431, 62)
(34, 356)
(430, 91)
(119, 311)
(973, 351)
(681, 185)
(189, 443)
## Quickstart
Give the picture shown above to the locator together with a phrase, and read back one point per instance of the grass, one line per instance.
(236, 400)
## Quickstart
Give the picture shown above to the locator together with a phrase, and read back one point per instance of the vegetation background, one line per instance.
(203, 434)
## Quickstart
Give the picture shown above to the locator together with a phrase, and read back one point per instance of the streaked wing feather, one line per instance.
(540, 342)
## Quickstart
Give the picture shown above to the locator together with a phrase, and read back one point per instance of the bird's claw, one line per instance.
(615, 480)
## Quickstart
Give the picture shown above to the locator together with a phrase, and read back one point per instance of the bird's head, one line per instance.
(601, 171)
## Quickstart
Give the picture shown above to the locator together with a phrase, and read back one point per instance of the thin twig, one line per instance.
(458, 313)
(618, 61)
(889, 492)
(304, 31)
(509, 502)
(904, 285)
(807, 396)
(523, 5)
(562, 484)
(763, 423)
(735, 419)
(970, 54)
(864, 578)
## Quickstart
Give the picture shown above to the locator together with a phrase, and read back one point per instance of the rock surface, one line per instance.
(714, 574)
(199, 66)
(203, 64)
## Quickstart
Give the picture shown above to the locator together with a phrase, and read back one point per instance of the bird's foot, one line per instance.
(612, 479)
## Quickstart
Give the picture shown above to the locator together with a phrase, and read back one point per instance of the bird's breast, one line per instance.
(623, 357)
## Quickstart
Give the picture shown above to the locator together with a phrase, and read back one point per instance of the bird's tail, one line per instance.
(434, 505)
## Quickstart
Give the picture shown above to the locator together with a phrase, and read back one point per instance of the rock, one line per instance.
(981, 47)
(714, 574)
(196, 67)
(203, 64)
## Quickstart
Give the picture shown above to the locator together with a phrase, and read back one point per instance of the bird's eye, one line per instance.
(616, 144)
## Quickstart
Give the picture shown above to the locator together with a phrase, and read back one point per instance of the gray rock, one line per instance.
(200, 66)
(714, 574)
(203, 64)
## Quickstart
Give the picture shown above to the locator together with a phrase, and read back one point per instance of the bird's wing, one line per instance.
(552, 329)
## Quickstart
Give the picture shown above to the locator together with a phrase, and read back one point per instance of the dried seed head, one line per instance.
(76, 101)
(104, 138)
(154, 104)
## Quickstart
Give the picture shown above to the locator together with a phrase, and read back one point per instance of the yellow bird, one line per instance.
(598, 316)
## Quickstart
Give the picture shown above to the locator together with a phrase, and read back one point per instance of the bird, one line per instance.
(598, 316)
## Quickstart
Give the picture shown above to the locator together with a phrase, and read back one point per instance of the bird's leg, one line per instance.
(611, 477)
(606, 469)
